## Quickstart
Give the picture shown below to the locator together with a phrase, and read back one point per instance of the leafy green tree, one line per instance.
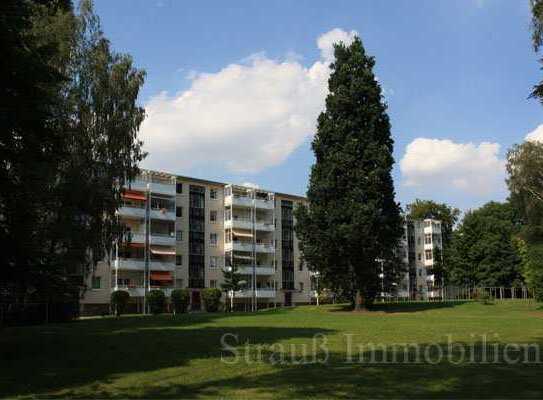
(537, 39)
(482, 250)
(212, 299)
(180, 300)
(69, 126)
(31, 148)
(532, 266)
(352, 220)
(156, 301)
(119, 301)
(232, 282)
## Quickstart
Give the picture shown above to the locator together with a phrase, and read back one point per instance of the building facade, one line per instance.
(188, 230)
(421, 248)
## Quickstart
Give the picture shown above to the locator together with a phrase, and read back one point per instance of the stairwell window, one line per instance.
(179, 236)
(178, 212)
(179, 260)
(213, 239)
(213, 216)
(428, 254)
(212, 283)
(96, 282)
(213, 194)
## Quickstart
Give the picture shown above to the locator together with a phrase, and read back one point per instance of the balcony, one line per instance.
(244, 201)
(161, 188)
(156, 238)
(139, 291)
(260, 270)
(260, 293)
(247, 224)
(139, 213)
(248, 247)
(131, 264)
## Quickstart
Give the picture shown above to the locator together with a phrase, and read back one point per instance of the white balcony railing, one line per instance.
(247, 224)
(244, 201)
(248, 247)
(260, 270)
(260, 293)
(139, 265)
(139, 213)
(138, 291)
(161, 188)
(161, 240)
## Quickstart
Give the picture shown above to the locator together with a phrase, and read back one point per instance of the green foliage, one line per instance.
(352, 219)
(119, 301)
(68, 143)
(156, 301)
(532, 266)
(482, 250)
(180, 300)
(212, 299)
(537, 39)
(232, 282)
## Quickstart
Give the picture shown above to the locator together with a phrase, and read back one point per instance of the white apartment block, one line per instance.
(418, 250)
(191, 229)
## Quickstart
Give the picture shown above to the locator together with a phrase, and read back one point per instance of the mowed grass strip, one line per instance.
(274, 357)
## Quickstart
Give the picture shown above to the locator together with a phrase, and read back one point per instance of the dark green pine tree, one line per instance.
(352, 224)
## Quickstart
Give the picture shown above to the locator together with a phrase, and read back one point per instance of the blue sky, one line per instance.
(241, 79)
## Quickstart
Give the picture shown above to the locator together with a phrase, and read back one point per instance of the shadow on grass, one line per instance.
(398, 307)
(340, 379)
(37, 360)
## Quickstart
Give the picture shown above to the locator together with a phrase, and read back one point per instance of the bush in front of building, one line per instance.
(119, 301)
(156, 301)
(180, 300)
(212, 299)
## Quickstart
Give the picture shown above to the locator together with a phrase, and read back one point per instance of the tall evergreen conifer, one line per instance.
(351, 227)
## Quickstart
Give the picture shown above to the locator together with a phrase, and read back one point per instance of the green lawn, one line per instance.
(147, 357)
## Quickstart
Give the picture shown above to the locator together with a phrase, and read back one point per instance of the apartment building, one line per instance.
(188, 230)
(420, 247)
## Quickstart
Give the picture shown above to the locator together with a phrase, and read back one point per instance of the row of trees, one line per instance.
(69, 123)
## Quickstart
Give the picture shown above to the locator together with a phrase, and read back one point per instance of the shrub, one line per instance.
(180, 300)
(212, 299)
(119, 301)
(156, 300)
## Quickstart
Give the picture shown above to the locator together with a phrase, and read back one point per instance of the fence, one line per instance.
(37, 313)
(452, 293)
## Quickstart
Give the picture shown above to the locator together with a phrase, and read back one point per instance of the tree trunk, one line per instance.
(358, 301)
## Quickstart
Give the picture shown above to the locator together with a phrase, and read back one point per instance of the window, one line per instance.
(179, 188)
(301, 266)
(428, 254)
(214, 262)
(419, 256)
(179, 236)
(179, 283)
(213, 216)
(212, 193)
(428, 238)
(179, 260)
(301, 286)
(420, 272)
(178, 211)
(213, 239)
(96, 282)
(418, 240)
(123, 282)
(427, 224)
(212, 283)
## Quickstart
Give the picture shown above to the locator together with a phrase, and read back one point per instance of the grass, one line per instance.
(149, 357)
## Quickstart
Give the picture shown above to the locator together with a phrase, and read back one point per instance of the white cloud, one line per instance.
(250, 185)
(246, 117)
(536, 135)
(436, 164)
